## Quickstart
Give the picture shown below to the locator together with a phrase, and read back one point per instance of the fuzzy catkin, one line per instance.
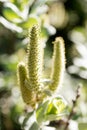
(27, 95)
(58, 64)
(35, 57)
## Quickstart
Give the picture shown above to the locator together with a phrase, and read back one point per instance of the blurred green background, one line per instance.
(66, 18)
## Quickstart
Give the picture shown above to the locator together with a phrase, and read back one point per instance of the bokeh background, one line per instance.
(66, 18)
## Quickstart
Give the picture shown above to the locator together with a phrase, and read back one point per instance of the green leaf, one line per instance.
(26, 119)
(55, 109)
(37, 4)
(50, 110)
(29, 22)
(30, 122)
(56, 106)
(44, 32)
(47, 30)
(9, 25)
(34, 126)
(11, 15)
(40, 113)
(21, 4)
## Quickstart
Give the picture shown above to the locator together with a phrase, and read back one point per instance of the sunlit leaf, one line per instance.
(52, 109)
(37, 4)
(55, 109)
(12, 13)
(10, 25)
(20, 3)
(44, 32)
(40, 113)
(29, 22)
(56, 106)
(47, 30)
(30, 122)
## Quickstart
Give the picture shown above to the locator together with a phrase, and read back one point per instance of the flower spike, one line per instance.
(35, 57)
(28, 95)
(58, 64)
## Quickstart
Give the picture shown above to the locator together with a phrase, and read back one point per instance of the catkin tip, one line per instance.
(21, 64)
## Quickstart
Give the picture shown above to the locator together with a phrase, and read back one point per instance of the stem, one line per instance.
(72, 110)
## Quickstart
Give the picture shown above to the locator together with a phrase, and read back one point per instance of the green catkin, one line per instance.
(35, 57)
(30, 75)
(27, 95)
(58, 64)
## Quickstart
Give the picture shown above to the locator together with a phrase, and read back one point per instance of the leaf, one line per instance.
(20, 4)
(53, 117)
(44, 32)
(56, 106)
(40, 113)
(47, 30)
(29, 22)
(50, 110)
(55, 109)
(34, 126)
(10, 25)
(27, 118)
(12, 13)
(30, 122)
(37, 4)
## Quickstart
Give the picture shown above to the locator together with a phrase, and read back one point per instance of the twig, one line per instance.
(72, 110)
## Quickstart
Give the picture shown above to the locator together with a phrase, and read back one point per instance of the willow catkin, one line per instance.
(34, 61)
(58, 64)
(27, 95)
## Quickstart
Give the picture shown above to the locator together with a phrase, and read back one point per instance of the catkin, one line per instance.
(35, 57)
(58, 64)
(27, 95)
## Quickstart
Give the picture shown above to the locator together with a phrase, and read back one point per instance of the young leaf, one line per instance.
(40, 113)
(34, 126)
(30, 122)
(50, 110)
(32, 20)
(55, 108)
(26, 119)
(12, 13)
